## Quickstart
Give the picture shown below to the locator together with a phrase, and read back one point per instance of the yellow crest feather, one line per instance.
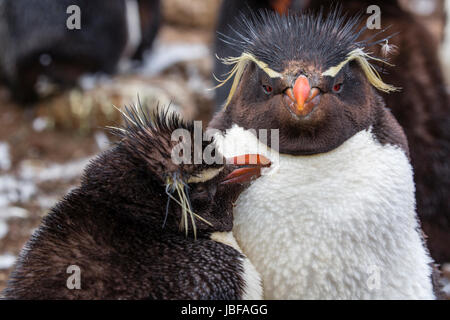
(371, 73)
(184, 203)
(239, 64)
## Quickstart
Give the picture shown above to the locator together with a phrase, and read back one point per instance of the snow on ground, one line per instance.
(3, 228)
(445, 48)
(7, 213)
(5, 158)
(13, 189)
(30, 171)
(7, 260)
(164, 56)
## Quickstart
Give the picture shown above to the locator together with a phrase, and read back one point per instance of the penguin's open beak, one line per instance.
(248, 167)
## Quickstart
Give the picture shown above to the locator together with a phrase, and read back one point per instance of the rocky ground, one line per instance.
(44, 147)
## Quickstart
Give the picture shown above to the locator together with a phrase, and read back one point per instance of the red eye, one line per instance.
(267, 89)
(337, 87)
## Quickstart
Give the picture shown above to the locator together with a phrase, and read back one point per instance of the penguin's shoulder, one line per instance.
(387, 130)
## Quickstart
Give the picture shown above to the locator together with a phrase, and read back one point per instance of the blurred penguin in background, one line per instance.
(422, 107)
(445, 49)
(55, 42)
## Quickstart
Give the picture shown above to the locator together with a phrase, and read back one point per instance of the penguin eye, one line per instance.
(201, 188)
(337, 87)
(267, 89)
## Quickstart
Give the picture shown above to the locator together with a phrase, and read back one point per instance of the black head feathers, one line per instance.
(275, 39)
(150, 136)
(147, 136)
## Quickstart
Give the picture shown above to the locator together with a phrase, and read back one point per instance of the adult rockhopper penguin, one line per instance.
(142, 227)
(422, 106)
(335, 217)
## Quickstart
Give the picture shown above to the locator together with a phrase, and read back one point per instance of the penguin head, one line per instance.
(307, 75)
(203, 200)
(199, 193)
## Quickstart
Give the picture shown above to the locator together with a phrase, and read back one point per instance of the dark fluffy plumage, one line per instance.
(118, 229)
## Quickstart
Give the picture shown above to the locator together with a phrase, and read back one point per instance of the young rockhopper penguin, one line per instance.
(335, 217)
(142, 227)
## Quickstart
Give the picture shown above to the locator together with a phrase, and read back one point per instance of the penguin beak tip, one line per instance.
(302, 98)
(249, 167)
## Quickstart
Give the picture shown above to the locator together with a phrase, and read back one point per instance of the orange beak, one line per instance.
(301, 91)
(250, 166)
(302, 94)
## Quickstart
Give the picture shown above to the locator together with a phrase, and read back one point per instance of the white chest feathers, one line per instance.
(339, 225)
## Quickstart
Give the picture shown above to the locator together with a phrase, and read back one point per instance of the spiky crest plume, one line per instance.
(147, 133)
